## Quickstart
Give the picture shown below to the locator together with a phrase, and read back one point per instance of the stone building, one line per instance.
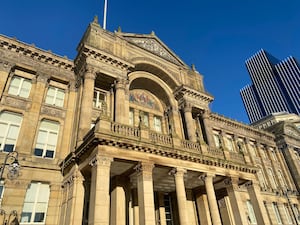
(123, 135)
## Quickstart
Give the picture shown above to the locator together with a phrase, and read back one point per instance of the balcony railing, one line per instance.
(235, 156)
(192, 146)
(125, 130)
(160, 138)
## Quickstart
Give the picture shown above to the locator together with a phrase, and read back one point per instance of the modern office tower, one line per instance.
(275, 86)
(123, 135)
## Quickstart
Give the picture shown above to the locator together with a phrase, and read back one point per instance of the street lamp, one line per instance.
(13, 166)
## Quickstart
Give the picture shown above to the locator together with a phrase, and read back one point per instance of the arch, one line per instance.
(157, 69)
(147, 81)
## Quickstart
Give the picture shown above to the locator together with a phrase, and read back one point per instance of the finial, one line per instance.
(193, 67)
(152, 33)
(119, 29)
(95, 19)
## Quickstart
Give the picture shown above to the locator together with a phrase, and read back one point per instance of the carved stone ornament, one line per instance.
(17, 103)
(144, 167)
(98, 160)
(177, 172)
(155, 47)
(53, 111)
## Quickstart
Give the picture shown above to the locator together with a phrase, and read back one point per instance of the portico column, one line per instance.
(238, 208)
(145, 193)
(203, 209)
(86, 108)
(212, 200)
(99, 194)
(190, 125)
(180, 194)
(257, 202)
(162, 211)
(118, 202)
(121, 102)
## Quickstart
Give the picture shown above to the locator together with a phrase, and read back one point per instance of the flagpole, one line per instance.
(104, 16)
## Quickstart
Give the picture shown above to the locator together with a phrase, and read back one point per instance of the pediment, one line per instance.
(154, 45)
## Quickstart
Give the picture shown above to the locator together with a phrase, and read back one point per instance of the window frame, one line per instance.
(54, 98)
(46, 143)
(251, 214)
(20, 86)
(277, 213)
(8, 125)
(97, 102)
(35, 204)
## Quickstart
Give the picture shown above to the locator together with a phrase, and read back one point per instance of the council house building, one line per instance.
(123, 135)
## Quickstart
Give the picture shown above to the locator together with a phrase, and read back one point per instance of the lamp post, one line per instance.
(13, 166)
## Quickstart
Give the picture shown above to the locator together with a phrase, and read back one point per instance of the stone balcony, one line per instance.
(107, 133)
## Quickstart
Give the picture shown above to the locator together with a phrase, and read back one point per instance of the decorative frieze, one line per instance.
(51, 111)
(16, 103)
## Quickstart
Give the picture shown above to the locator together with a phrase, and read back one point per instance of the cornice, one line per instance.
(30, 51)
(236, 124)
(186, 91)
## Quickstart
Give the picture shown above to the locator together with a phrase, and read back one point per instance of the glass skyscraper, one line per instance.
(275, 86)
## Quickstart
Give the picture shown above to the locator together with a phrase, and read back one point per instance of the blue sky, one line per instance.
(215, 35)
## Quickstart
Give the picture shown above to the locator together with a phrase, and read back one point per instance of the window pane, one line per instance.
(14, 86)
(31, 191)
(44, 193)
(13, 132)
(8, 147)
(25, 89)
(38, 152)
(42, 136)
(39, 217)
(49, 154)
(26, 217)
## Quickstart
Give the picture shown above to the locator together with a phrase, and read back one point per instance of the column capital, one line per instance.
(101, 160)
(187, 107)
(90, 72)
(144, 167)
(177, 172)
(121, 83)
(204, 176)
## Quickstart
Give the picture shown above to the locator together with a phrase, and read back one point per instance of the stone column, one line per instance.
(135, 206)
(145, 194)
(75, 201)
(257, 202)
(212, 200)
(86, 108)
(203, 209)
(118, 202)
(208, 129)
(121, 101)
(190, 125)
(238, 208)
(180, 194)
(99, 194)
(161, 208)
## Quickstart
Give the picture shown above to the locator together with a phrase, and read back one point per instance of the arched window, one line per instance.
(47, 139)
(10, 124)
